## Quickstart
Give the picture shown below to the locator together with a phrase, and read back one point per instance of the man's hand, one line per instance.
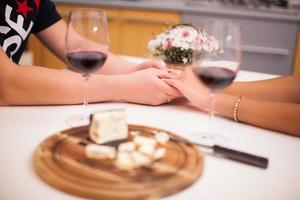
(147, 87)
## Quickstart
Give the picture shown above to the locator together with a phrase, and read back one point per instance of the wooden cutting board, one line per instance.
(60, 161)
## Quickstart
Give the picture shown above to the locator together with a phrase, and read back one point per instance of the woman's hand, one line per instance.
(147, 87)
(190, 87)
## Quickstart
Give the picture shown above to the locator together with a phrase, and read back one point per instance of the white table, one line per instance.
(22, 129)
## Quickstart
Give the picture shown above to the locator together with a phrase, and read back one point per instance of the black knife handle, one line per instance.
(241, 156)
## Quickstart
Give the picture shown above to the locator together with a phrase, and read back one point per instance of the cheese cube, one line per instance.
(159, 153)
(147, 149)
(124, 161)
(140, 159)
(141, 140)
(100, 151)
(134, 133)
(107, 126)
(162, 137)
(127, 146)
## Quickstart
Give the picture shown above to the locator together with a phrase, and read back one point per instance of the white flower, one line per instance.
(184, 60)
(184, 38)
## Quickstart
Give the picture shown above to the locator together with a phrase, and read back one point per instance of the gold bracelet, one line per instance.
(236, 107)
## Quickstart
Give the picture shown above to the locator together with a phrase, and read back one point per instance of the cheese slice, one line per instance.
(107, 126)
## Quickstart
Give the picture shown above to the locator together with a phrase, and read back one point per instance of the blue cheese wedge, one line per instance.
(107, 126)
(100, 151)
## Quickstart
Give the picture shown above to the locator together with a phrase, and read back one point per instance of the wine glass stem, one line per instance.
(86, 93)
(212, 97)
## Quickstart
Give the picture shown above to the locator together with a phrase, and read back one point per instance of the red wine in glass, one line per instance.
(216, 61)
(215, 78)
(87, 45)
(86, 62)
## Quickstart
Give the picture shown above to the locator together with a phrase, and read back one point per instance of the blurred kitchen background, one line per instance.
(270, 28)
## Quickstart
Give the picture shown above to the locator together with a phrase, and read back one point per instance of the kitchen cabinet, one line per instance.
(138, 27)
(270, 42)
(129, 31)
(297, 56)
(268, 45)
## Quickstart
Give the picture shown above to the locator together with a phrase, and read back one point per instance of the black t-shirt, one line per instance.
(19, 18)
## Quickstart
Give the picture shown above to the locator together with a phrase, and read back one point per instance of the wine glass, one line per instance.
(216, 65)
(87, 45)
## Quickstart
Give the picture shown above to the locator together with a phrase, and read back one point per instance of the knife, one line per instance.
(232, 154)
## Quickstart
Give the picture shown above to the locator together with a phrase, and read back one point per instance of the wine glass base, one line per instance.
(209, 138)
(78, 120)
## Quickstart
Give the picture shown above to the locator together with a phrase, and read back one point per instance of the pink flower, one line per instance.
(169, 44)
(185, 34)
(200, 41)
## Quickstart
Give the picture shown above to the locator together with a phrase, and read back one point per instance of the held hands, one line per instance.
(190, 87)
(147, 87)
(150, 64)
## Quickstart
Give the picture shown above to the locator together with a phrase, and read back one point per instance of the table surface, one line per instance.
(22, 129)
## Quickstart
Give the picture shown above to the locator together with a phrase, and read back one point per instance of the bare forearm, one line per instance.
(117, 65)
(283, 117)
(39, 86)
(279, 116)
(283, 89)
(53, 38)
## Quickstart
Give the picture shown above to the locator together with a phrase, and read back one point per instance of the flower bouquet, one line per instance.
(176, 45)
